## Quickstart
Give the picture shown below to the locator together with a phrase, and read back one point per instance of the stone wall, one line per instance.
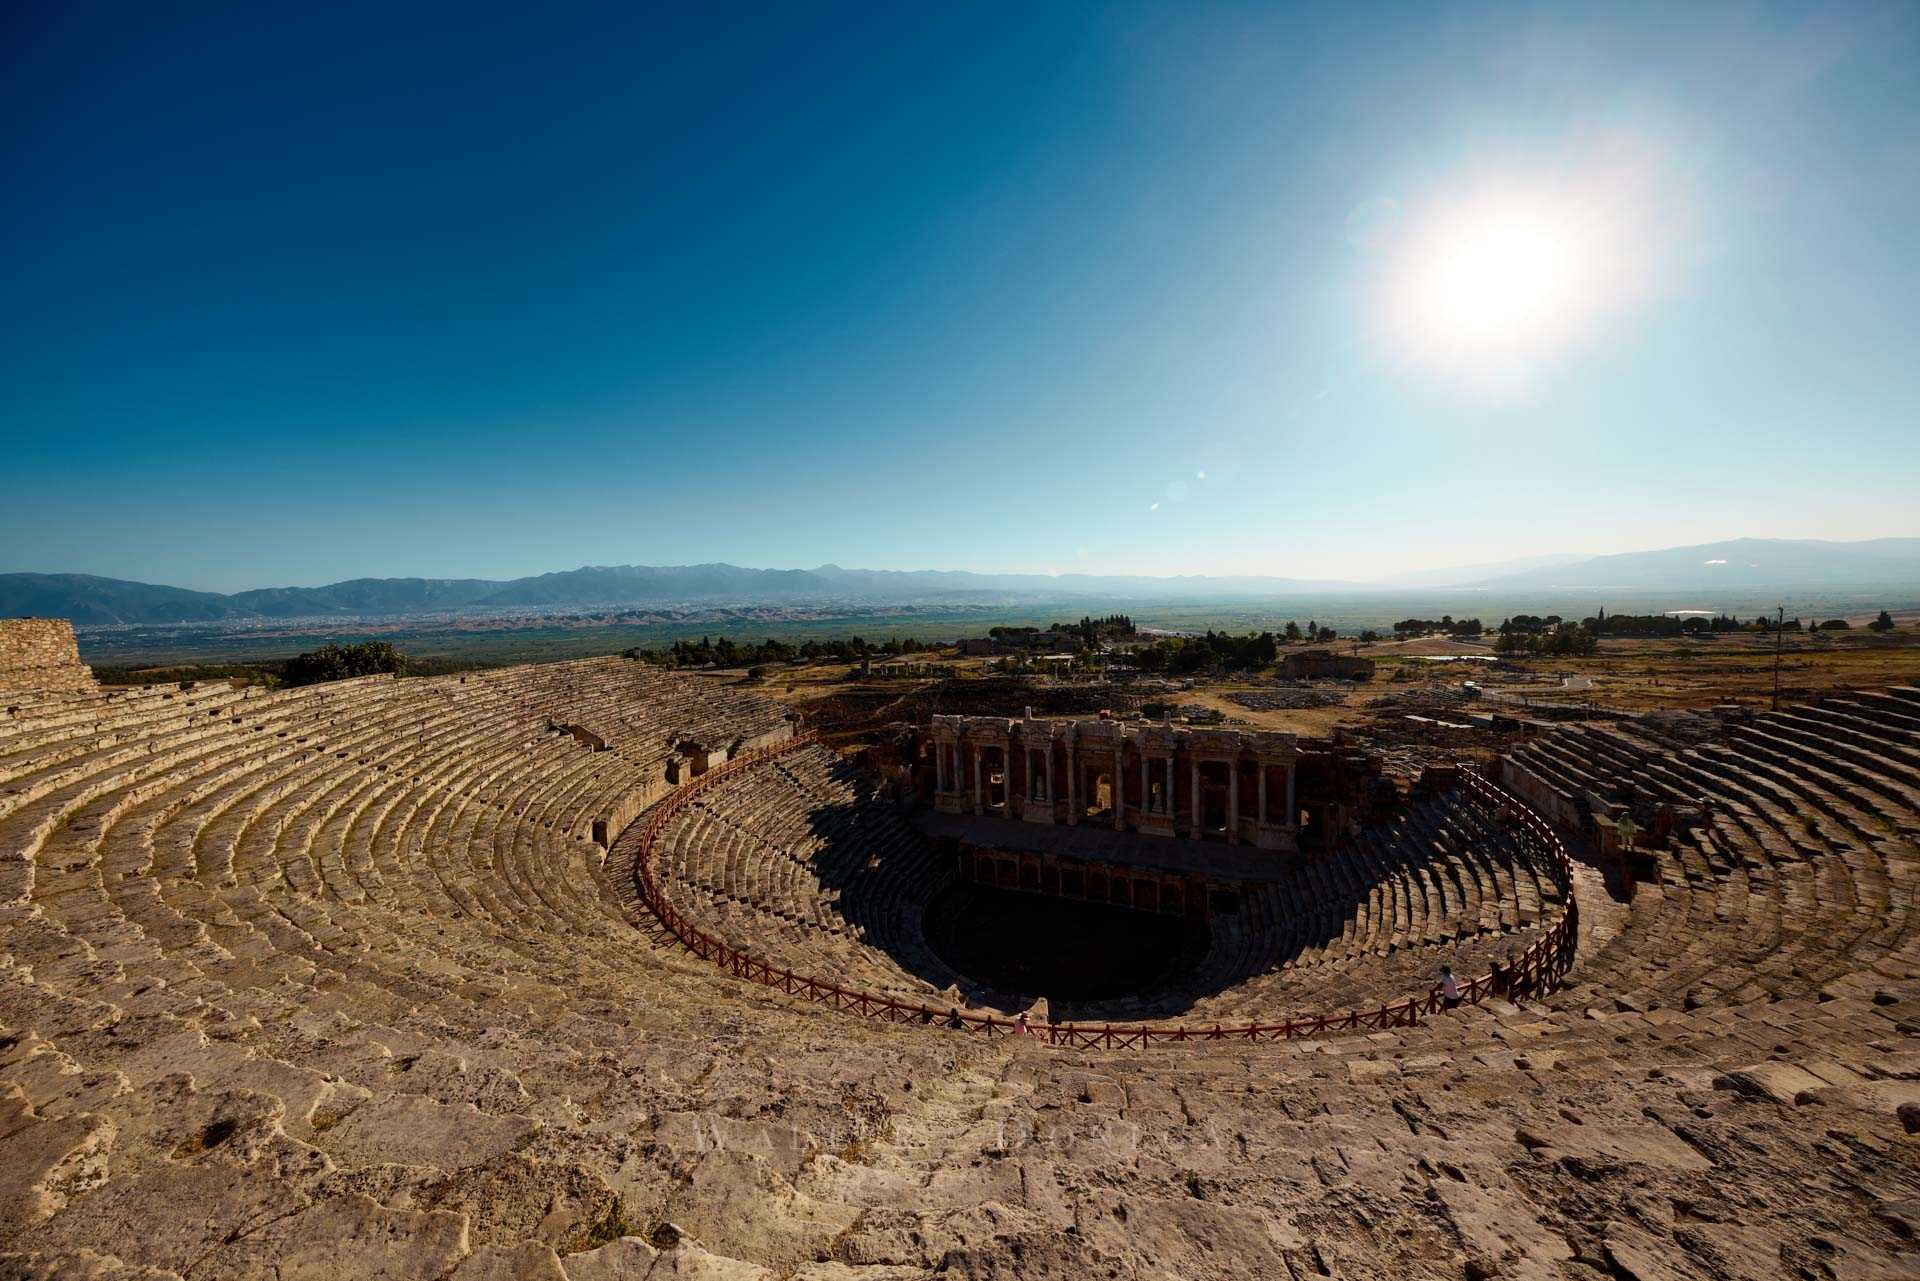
(1324, 664)
(1541, 795)
(40, 653)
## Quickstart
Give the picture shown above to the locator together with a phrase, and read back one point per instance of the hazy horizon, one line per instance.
(312, 295)
(1384, 582)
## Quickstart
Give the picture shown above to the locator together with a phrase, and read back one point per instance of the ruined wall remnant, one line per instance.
(1324, 664)
(40, 653)
(590, 738)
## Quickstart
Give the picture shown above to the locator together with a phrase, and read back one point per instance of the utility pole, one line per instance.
(1779, 636)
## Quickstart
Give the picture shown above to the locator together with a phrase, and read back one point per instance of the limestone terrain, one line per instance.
(340, 982)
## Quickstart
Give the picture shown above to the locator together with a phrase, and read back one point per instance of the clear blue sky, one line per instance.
(340, 290)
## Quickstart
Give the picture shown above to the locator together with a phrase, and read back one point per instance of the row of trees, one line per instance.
(1445, 623)
(1183, 655)
(1560, 640)
(1085, 634)
(725, 652)
(1661, 625)
(1664, 624)
(1554, 636)
(1092, 631)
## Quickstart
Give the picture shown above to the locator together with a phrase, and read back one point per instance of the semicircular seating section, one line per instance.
(795, 862)
(1798, 880)
(333, 982)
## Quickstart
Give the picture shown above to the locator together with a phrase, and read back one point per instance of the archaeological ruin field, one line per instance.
(589, 969)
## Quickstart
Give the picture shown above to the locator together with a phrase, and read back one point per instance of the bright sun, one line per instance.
(1491, 284)
(1499, 278)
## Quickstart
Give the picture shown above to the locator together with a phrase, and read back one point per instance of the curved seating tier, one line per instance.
(796, 861)
(333, 982)
(1798, 879)
(1444, 883)
(364, 919)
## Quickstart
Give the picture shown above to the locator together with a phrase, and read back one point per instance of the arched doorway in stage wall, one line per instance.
(993, 763)
(1096, 793)
(1216, 778)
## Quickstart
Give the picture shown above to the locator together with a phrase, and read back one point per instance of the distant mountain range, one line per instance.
(1739, 562)
(1744, 563)
(1461, 575)
(89, 600)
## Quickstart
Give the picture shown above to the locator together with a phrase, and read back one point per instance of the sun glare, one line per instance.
(1490, 284)
(1500, 278)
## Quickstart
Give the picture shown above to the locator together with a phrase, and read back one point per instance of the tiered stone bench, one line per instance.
(798, 860)
(334, 982)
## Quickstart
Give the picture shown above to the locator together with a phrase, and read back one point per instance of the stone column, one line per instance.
(1233, 802)
(1119, 797)
(1048, 798)
(1293, 807)
(1173, 803)
(1146, 793)
(1263, 793)
(940, 766)
(1199, 810)
(1073, 785)
(979, 774)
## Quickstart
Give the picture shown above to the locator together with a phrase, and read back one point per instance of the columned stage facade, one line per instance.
(1231, 786)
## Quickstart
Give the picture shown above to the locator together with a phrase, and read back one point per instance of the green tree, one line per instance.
(334, 662)
(1884, 623)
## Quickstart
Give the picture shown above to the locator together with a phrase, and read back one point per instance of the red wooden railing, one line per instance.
(1538, 970)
